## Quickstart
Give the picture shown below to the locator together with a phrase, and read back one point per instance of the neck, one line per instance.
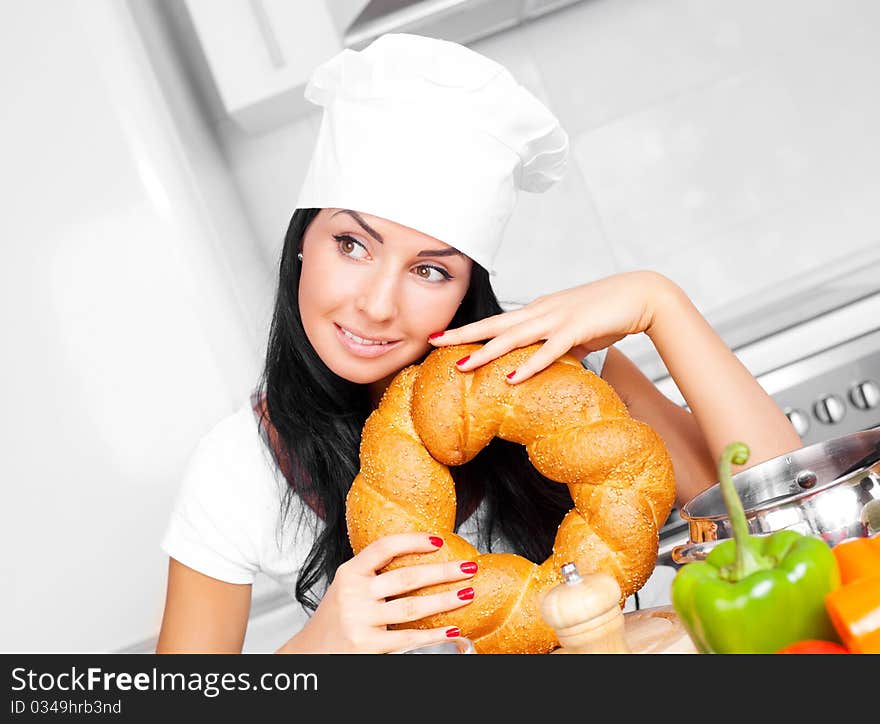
(377, 389)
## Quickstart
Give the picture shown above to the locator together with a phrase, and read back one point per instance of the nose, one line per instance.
(376, 297)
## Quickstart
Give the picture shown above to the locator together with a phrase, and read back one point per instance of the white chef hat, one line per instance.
(432, 135)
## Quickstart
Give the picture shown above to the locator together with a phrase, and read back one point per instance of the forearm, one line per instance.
(290, 647)
(726, 401)
(296, 644)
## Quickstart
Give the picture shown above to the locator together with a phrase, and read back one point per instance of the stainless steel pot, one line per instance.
(830, 489)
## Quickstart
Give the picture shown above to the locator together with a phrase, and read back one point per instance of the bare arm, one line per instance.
(726, 402)
(725, 399)
(691, 457)
(202, 614)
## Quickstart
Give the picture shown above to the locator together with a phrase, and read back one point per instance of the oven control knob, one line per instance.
(829, 409)
(865, 394)
(799, 420)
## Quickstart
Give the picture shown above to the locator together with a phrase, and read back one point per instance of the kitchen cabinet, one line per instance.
(260, 52)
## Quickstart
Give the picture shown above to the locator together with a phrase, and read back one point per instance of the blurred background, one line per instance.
(151, 154)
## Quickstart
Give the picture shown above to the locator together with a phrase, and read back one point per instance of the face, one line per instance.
(371, 291)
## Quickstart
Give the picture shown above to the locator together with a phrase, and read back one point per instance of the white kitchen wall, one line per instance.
(731, 146)
(132, 301)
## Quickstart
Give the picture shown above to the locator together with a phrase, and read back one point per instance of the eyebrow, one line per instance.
(450, 251)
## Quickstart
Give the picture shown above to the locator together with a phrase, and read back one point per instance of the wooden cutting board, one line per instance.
(656, 630)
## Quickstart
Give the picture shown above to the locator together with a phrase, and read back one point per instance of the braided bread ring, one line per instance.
(576, 430)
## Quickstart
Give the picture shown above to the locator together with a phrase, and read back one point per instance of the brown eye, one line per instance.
(349, 246)
(432, 273)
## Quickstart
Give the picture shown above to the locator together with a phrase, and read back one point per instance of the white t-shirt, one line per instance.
(227, 518)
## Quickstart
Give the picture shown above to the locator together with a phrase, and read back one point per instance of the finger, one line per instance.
(385, 549)
(400, 640)
(478, 331)
(522, 335)
(548, 353)
(411, 578)
(412, 608)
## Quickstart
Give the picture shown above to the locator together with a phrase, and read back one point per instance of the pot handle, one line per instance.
(691, 552)
(698, 551)
(674, 537)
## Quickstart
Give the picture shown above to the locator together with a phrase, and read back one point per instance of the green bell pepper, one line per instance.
(755, 594)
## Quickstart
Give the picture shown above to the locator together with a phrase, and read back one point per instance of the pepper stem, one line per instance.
(748, 559)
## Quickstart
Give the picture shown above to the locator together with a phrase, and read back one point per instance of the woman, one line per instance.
(421, 151)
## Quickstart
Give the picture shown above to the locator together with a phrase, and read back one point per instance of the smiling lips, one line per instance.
(364, 346)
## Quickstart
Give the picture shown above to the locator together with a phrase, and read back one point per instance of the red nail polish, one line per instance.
(463, 360)
(435, 335)
(435, 541)
(510, 376)
(469, 567)
(466, 594)
(453, 632)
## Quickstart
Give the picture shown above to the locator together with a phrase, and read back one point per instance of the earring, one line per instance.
(299, 256)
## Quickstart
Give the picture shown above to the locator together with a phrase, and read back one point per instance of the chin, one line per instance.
(366, 372)
(361, 376)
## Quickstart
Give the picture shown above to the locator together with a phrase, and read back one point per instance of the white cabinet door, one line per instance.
(261, 52)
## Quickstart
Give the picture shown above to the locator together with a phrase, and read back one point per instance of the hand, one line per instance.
(354, 613)
(579, 320)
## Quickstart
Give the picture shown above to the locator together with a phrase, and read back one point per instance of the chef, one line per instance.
(423, 149)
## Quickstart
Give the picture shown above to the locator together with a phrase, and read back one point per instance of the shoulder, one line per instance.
(228, 501)
(595, 361)
(642, 397)
(233, 450)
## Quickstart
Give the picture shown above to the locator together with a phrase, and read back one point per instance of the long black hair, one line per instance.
(313, 419)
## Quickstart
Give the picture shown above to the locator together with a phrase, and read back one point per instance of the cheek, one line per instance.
(318, 301)
(319, 288)
(428, 313)
(309, 295)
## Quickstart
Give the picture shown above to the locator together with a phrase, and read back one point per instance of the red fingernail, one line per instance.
(510, 376)
(435, 541)
(466, 594)
(453, 632)
(463, 360)
(469, 567)
(435, 335)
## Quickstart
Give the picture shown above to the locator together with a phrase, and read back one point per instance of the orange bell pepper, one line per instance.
(857, 558)
(814, 646)
(854, 607)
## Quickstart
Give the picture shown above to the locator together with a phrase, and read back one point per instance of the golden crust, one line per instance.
(576, 431)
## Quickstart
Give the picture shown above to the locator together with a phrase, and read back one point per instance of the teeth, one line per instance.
(360, 340)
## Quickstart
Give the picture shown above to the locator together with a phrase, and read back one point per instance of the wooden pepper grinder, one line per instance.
(585, 613)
